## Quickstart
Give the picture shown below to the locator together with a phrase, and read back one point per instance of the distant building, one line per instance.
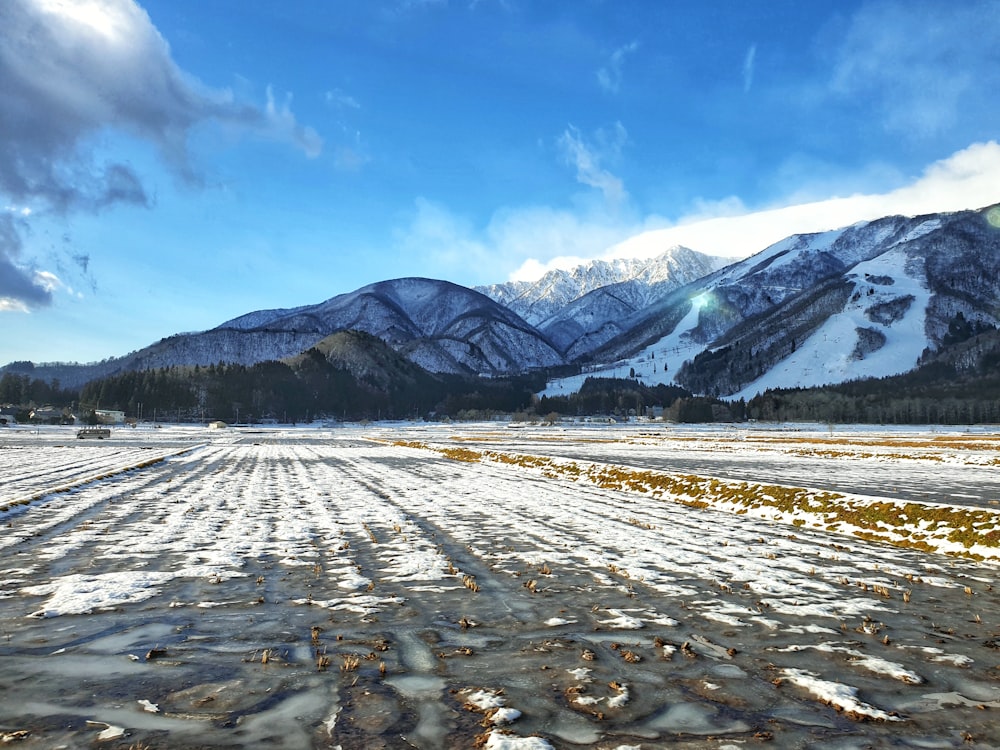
(217, 425)
(109, 416)
(46, 414)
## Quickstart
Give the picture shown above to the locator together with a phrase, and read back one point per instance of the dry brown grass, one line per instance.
(912, 525)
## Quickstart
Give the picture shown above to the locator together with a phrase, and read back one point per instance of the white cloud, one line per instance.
(71, 70)
(968, 179)
(924, 67)
(610, 76)
(10, 304)
(281, 123)
(47, 280)
(338, 98)
(440, 238)
(587, 158)
(522, 243)
(19, 286)
(529, 237)
(748, 64)
(538, 238)
(530, 270)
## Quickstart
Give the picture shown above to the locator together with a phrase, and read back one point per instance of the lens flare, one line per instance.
(993, 216)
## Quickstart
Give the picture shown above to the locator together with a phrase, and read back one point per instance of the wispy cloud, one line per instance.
(350, 157)
(349, 151)
(587, 157)
(524, 242)
(748, 63)
(925, 66)
(441, 238)
(69, 70)
(967, 179)
(519, 240)
(402, 7)
(281, 123)
(516, 242)
(610, 76)
(341, 99)
(19, 287)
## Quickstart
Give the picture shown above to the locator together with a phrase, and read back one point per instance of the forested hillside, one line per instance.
(960, 385)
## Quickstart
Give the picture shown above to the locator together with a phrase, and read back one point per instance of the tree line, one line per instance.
(22, 390)
(623, 397)
(311, 386)
(937, 393)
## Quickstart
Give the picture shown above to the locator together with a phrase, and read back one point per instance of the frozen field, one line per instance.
(411, 586)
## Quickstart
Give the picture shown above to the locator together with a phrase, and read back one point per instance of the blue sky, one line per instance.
(166, 166)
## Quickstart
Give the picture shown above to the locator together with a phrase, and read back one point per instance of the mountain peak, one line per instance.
(868, 300)
(538, 300)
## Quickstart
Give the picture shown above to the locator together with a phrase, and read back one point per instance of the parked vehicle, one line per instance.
(93, 432)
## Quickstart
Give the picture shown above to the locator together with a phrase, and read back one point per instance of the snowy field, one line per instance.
(401, 586)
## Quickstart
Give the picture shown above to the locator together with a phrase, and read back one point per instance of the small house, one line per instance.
(46, 415)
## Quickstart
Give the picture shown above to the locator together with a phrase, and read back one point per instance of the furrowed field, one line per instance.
(475, 586)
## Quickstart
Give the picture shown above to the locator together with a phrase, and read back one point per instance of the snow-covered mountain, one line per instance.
(872, 299)
(370, 361)
(438, 325)
(639, 282)
(863, 301)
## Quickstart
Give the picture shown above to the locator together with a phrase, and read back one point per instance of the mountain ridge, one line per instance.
(441, 326)
(862, 301)
(867, 300)
(537, 301)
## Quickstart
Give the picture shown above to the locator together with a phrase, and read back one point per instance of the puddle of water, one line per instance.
(683, 619)
(289, 723)
(693, 718)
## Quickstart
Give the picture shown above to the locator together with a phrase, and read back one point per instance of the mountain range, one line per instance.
(638, 282)
(870, 300)
(580, 309)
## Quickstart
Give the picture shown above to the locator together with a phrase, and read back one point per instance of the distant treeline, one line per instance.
(624, 397)
(21, 390)
(935, 394)
(962, 390)
(313, 389)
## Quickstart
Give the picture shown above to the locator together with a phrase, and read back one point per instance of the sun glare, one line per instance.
(993, 217)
